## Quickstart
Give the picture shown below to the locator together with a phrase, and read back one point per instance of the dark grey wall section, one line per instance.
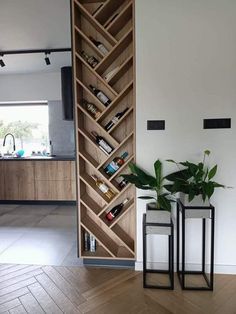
(61, 132)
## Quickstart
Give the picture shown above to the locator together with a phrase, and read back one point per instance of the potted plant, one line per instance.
(161, 208)
(194, 181)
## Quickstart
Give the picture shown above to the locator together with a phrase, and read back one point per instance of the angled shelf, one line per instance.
(104, 57)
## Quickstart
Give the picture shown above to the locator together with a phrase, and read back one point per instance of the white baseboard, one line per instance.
(218, 269)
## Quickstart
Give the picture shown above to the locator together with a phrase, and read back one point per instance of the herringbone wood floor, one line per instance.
(47, 289)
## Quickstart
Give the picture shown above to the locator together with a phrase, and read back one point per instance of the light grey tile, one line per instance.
(66, 210)
(39, 248)
(72, 259)
(9, 220)
(7, 239)
(58, 221)
(7, 208)
(41, 210)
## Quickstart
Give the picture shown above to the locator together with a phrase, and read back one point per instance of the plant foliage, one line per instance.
(193, 179)
(142, 180)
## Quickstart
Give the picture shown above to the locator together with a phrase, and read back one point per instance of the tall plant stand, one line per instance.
(203, 213)
(161, 227)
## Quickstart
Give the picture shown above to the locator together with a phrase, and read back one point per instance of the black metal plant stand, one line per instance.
(202, 212)
(168, 230)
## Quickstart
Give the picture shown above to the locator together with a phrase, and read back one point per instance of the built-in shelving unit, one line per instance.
(110, 22)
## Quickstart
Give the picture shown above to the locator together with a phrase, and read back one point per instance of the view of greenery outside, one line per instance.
(30, 129)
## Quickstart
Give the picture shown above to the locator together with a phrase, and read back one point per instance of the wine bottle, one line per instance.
(103, 187)
(123, 183)
(91, 60)
(100, 95)
(116, 163)
(116, 210)
(91, 108)
(102, 143)
(111, 73)
(115, 119)
(99, 45)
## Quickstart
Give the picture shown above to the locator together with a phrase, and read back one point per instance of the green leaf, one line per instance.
(212, 172)
(171, 160)
(209, 189)
(144, 178)
(178, 175)
(158, 172)
(218, 185)
(164, 203)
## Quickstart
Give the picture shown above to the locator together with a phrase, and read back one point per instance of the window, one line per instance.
(28, 122)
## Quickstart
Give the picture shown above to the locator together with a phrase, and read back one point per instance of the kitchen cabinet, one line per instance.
(39, 180)
(55, 180)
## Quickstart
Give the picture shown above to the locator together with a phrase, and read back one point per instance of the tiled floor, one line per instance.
(38, 234)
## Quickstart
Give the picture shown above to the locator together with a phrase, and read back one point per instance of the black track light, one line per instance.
(47, 60)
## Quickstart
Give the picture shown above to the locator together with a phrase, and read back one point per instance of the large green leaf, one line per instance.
(158, 172)
(144, 177)
(212, 172)
(164, 203)
(131, 178)
(178, 175)
(209, 189)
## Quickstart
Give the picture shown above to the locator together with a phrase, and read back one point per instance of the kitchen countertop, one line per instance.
(41, 158)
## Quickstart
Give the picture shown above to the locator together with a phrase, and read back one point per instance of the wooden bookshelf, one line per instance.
(110, 22)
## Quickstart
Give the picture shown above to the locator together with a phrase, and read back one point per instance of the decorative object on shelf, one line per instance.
(115, 211)
(194, 180)
(116, 163)
(115, 119)
(91, 60)
(92, 243)
(86, 241)
(144, 181)
(91, 108)
(103, 188)
(111, 73)
(102, 143)
(99, 45)
(100, 95)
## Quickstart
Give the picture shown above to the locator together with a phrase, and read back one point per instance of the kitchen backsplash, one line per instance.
(61, 132)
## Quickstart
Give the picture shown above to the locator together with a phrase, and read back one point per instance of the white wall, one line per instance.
(186, 71)
(28, 87)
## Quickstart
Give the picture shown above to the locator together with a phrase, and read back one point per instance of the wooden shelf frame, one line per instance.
(113, 22)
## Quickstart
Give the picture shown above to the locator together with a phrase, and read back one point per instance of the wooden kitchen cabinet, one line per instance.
(37, 180)
(55, 180)
(19, 180)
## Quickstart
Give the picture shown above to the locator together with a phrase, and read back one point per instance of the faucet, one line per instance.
(4, 141)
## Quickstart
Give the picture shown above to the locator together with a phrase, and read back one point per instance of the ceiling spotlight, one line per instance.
(2, 64)
(47, 60)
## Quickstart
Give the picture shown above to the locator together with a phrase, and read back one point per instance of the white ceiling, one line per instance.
(34, 24)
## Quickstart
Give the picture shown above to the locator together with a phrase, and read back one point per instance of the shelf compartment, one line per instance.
(127, 89)
(124, 237)
(125, 128)
(80, 37)
(108, 10)
(89, 169)
(122, 22)
(85, 92)
(121, 119)
(92, 21)
(100, 252)
(123, 145)
(87, 124)
(107, 242)
(127, 64)
(92, 5)
(90, 150)
(88, 199)
(120, 47)
(99, 79)
(124, 211)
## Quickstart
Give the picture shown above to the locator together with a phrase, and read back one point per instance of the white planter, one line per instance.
(195, 212)
(158, 216)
